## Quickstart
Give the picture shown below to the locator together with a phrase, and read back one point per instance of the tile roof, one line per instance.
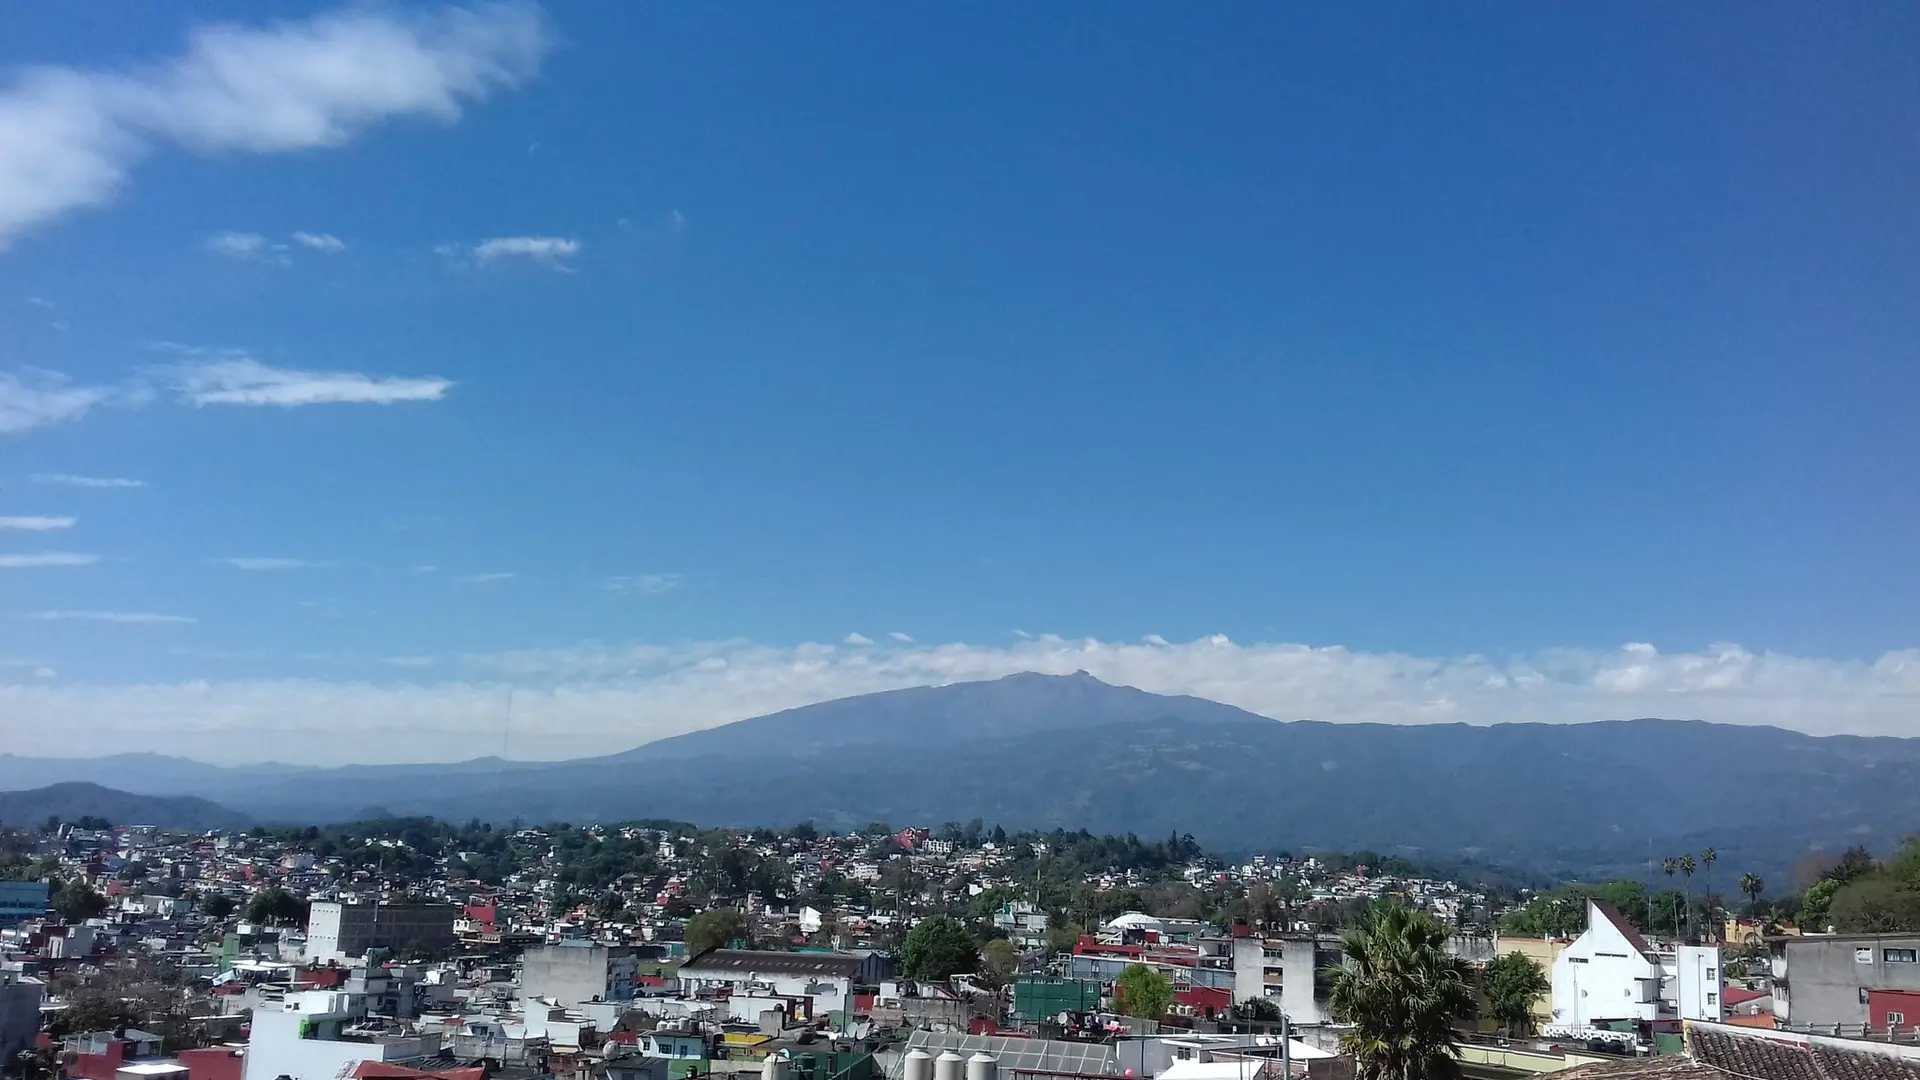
(1717, 1052)
(754, 961)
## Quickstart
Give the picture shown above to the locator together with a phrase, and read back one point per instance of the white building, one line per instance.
(817, 983)
(311, 1035)
(1610, 973)
(1607, 973)
(1024, 924)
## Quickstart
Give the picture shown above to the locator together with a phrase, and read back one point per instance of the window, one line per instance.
(1863, 954)
(1713, 998)
(1900, 956)
(1896, 1020)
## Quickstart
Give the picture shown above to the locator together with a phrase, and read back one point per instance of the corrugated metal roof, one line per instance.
(1037, 1055)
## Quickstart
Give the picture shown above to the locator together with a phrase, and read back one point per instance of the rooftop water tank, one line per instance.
(949, 1066)
(982, 1066)
(919, 1066)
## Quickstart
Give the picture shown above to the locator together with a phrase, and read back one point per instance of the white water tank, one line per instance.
(776, 1067)
(949, 1066)
(983, 1066)
(919, 1066)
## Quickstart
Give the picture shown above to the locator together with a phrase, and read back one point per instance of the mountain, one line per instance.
(72, 801)
(1575, 800)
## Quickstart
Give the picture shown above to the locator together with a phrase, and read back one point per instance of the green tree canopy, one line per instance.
(1143, 992)
(1513, 982)
(938, 948)
(999, 962)
(713, 929)
(274, 905)
(1402, 993)
(1258, 1009)
(77, 901)
(217, 905)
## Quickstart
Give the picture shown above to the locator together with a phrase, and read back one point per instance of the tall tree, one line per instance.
(1402, 993)
(1707, 859)
(77, 901)
(938, 948)
(1671, 866)
(1751, 884)
(1685, 865)
(1143, 992)
(713, 929)
(1513, 982)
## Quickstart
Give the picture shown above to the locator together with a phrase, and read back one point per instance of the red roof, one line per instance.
(1739, 995)
(1620, 923)
(369, 1070)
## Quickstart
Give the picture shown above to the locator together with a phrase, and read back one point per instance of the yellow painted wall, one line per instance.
(1542, 951)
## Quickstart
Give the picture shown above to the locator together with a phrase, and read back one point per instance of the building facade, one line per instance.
(1824, 979)
(338, 931)
(1606, 975)
(21, 900)
(572, 973)
(1288, 971)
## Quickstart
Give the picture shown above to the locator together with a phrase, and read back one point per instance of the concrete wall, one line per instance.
(572, 974)
(336, 931)
(19, 1016)
(1826, 978)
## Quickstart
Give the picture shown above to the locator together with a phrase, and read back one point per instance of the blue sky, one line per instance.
(1476, 364)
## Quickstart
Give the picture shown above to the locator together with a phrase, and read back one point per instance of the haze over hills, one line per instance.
(1071, 751)
(73, 801)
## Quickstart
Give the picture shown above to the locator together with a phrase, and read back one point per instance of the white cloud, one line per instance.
(550, 251)
(126, 618)
(904, 639)
(36, 524)
(69, 136)
(645, 584)
(324, 243)
(268, 563)
(241, 380)
(601, 698)
(857, 638)
(46, 558)
(70, 480)
(36, 399)
(488, 578)
(242, 246)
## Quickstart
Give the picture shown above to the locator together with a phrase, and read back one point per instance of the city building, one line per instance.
(1024, 924)
(574, 972)
(807, 984)
(1606, 975)
(320, 1035)
(1288, 969)
(338, 931)
(20, 998)
(21, 900)
(1820, 980)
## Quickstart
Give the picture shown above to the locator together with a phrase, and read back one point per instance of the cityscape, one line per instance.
(743, 540)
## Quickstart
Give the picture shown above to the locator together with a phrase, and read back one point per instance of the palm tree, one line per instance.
(1685, 865)
(1401, 992)
(1671, 865)
(1751, 884)
(1707, 859)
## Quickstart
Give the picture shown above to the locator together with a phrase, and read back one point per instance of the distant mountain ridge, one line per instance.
(1071, 751)
(75, 800)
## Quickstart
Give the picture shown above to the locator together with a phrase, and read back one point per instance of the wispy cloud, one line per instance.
(36, 524)
(46, 558)
(70, 480)
(126, 618)
(410, 661)
(596, 698)
(550, 251)
(324, 243)
(36, 399)
(856, 639)
(70, 136)
(903, 639)
(488, 578)
(645, 584)
(242, 380)
(268, 563)
(246, 247)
